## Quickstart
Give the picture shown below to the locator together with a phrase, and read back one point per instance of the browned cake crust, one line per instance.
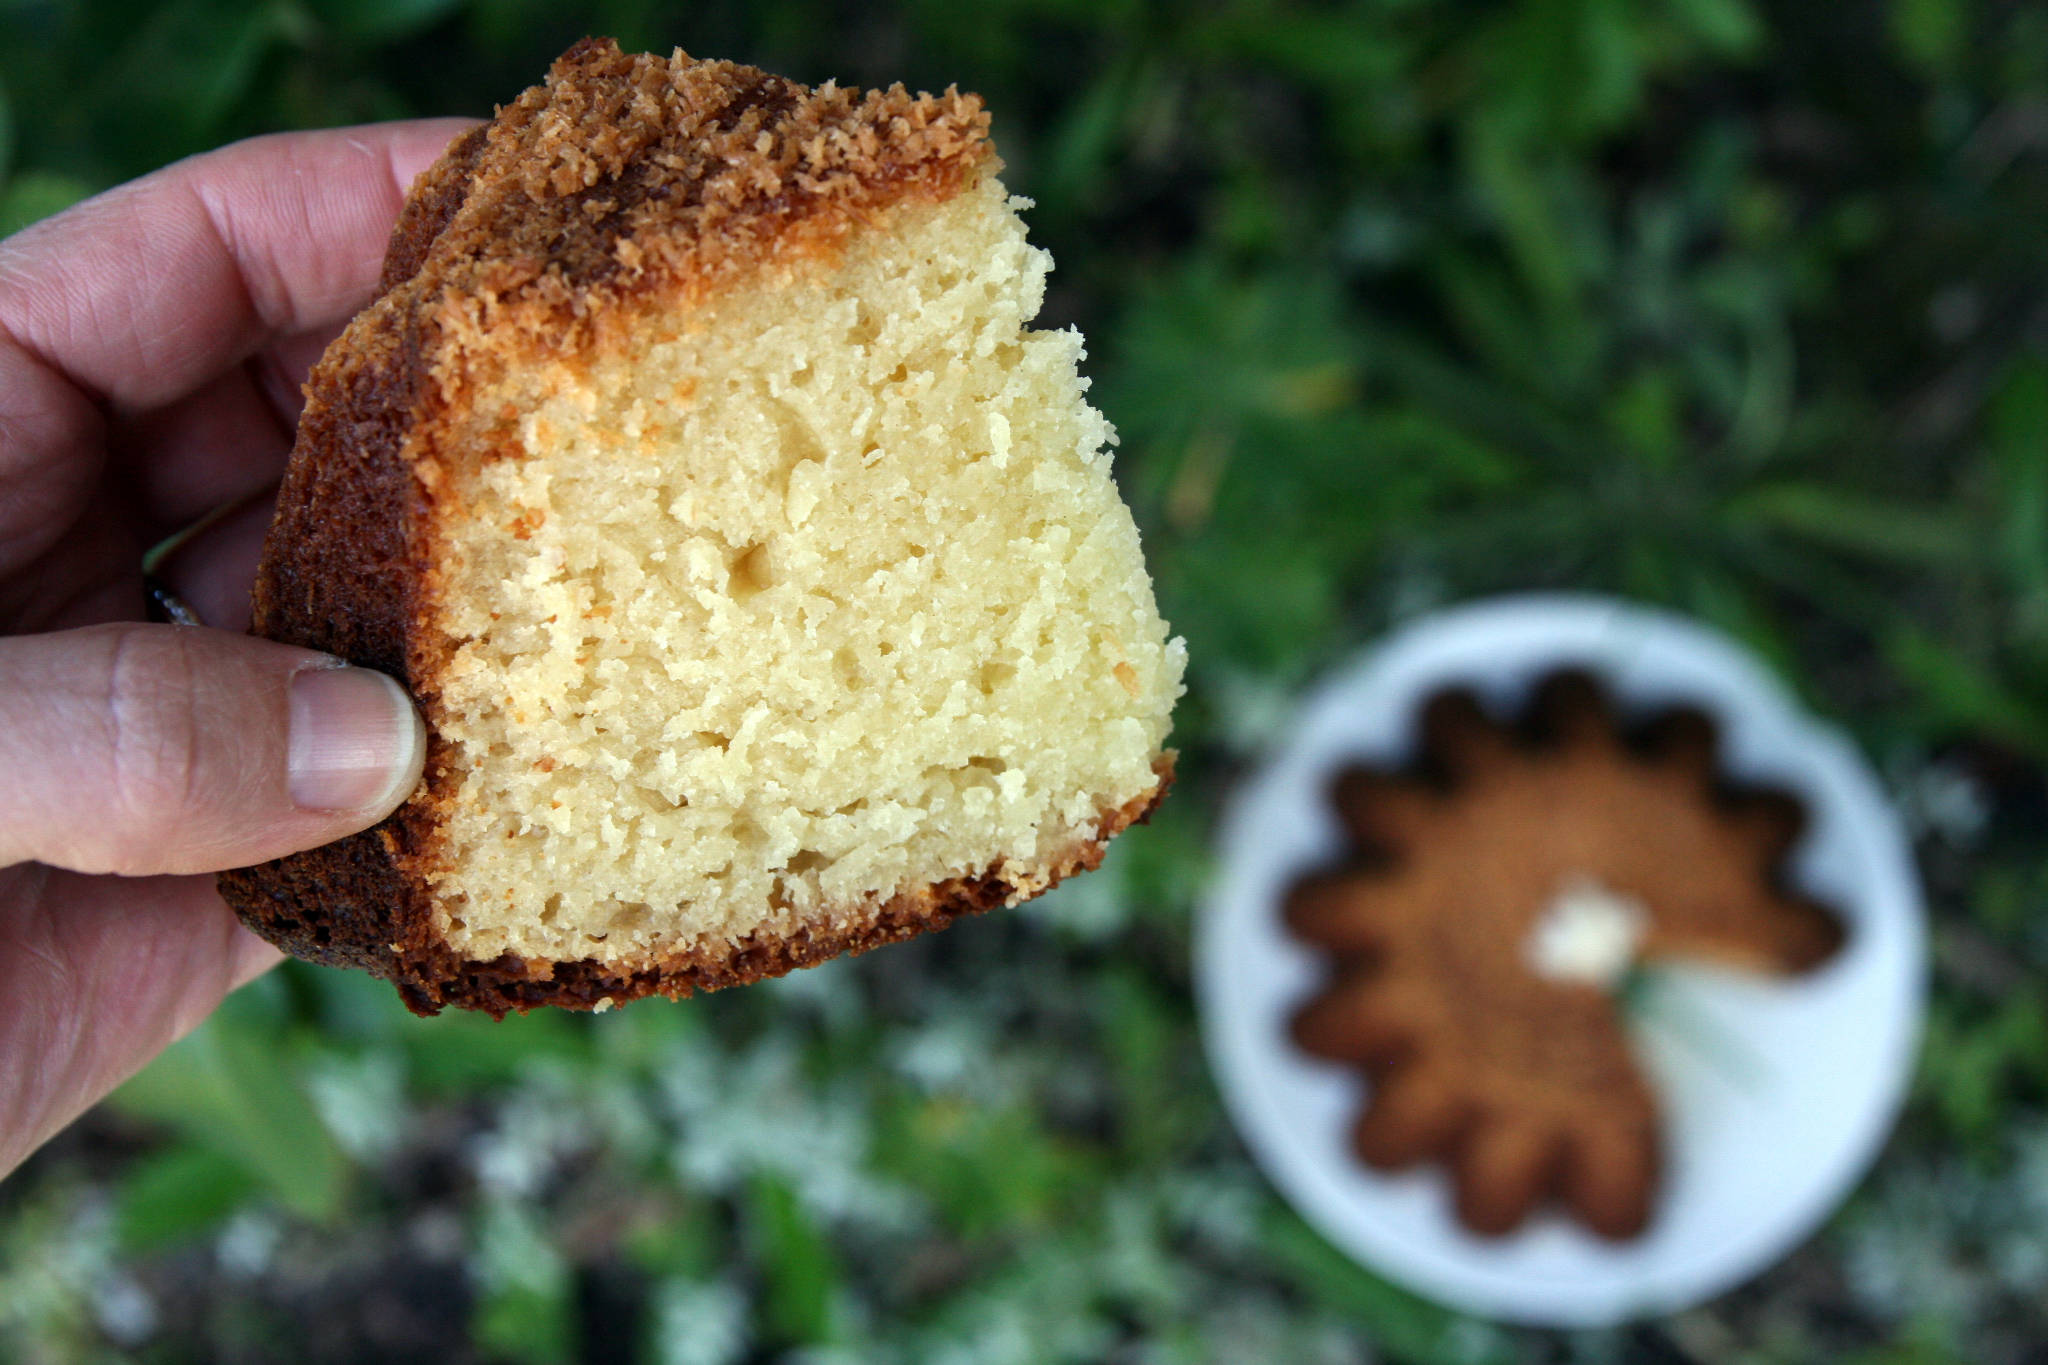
(620, 185)
(1525, 1085)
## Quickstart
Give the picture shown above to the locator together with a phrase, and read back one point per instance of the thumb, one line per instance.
(143, 749)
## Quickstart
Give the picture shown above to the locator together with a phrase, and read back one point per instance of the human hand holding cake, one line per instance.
(760, 573)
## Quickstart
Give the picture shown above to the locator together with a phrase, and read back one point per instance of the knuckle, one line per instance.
(155, 733)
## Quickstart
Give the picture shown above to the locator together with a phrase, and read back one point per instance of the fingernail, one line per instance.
(356, 741)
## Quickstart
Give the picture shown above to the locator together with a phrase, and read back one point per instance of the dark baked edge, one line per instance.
(350, 904)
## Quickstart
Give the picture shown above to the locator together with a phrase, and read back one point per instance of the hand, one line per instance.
(152, 343)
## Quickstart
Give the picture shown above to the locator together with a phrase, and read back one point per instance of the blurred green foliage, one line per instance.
(1731, 305)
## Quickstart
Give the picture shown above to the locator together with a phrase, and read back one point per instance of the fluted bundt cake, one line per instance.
(758, 570)
(1494, 898)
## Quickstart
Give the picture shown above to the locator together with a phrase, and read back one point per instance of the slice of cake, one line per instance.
(758, 571)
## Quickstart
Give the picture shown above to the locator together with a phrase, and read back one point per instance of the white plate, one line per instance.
(1776, 1094)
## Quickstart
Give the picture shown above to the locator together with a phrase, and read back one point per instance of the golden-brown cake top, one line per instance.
(622, 174)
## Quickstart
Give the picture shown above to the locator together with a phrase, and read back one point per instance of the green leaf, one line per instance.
(1860, 523)
(524, 1325)
(1721, 601)
(1612, 83)
(354, 1006)
(1763, 406)
(178, 1194)
(802, 1272)
(226, 1087)
(527, 1307)
(1479, 401)
(7, 130)
(1145, 1040)
(461, 1052)
(2018, 430)
(33, 196)
(1931, 35)
(1408, 1329)
(1731, 27)
(1333, 51)
(188, 63)
(1963, 693)
(1489, 310)
(1268, 619)
(380, 21)
(1973, 1063)
(1645, 413)
(1919, 1341)
(1171, 864)
(1210, 350)
(681, 1237)
(1506, 170)
(1082, 148)
(1456, 461)
(986, 1167)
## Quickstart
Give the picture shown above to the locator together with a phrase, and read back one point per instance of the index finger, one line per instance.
(142, 293)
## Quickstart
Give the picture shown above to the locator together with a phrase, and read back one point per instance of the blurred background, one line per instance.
(1735, 306)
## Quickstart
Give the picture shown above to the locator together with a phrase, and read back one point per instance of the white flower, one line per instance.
(1588, 933)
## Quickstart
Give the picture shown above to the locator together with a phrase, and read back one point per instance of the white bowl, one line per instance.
(1776, 1093)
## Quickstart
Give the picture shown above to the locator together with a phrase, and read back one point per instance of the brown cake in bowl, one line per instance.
(1480, 931)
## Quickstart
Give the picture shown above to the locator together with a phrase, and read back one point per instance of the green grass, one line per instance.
(1732, 307)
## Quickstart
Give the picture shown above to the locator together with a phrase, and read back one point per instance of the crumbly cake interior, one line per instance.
(810, 593)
